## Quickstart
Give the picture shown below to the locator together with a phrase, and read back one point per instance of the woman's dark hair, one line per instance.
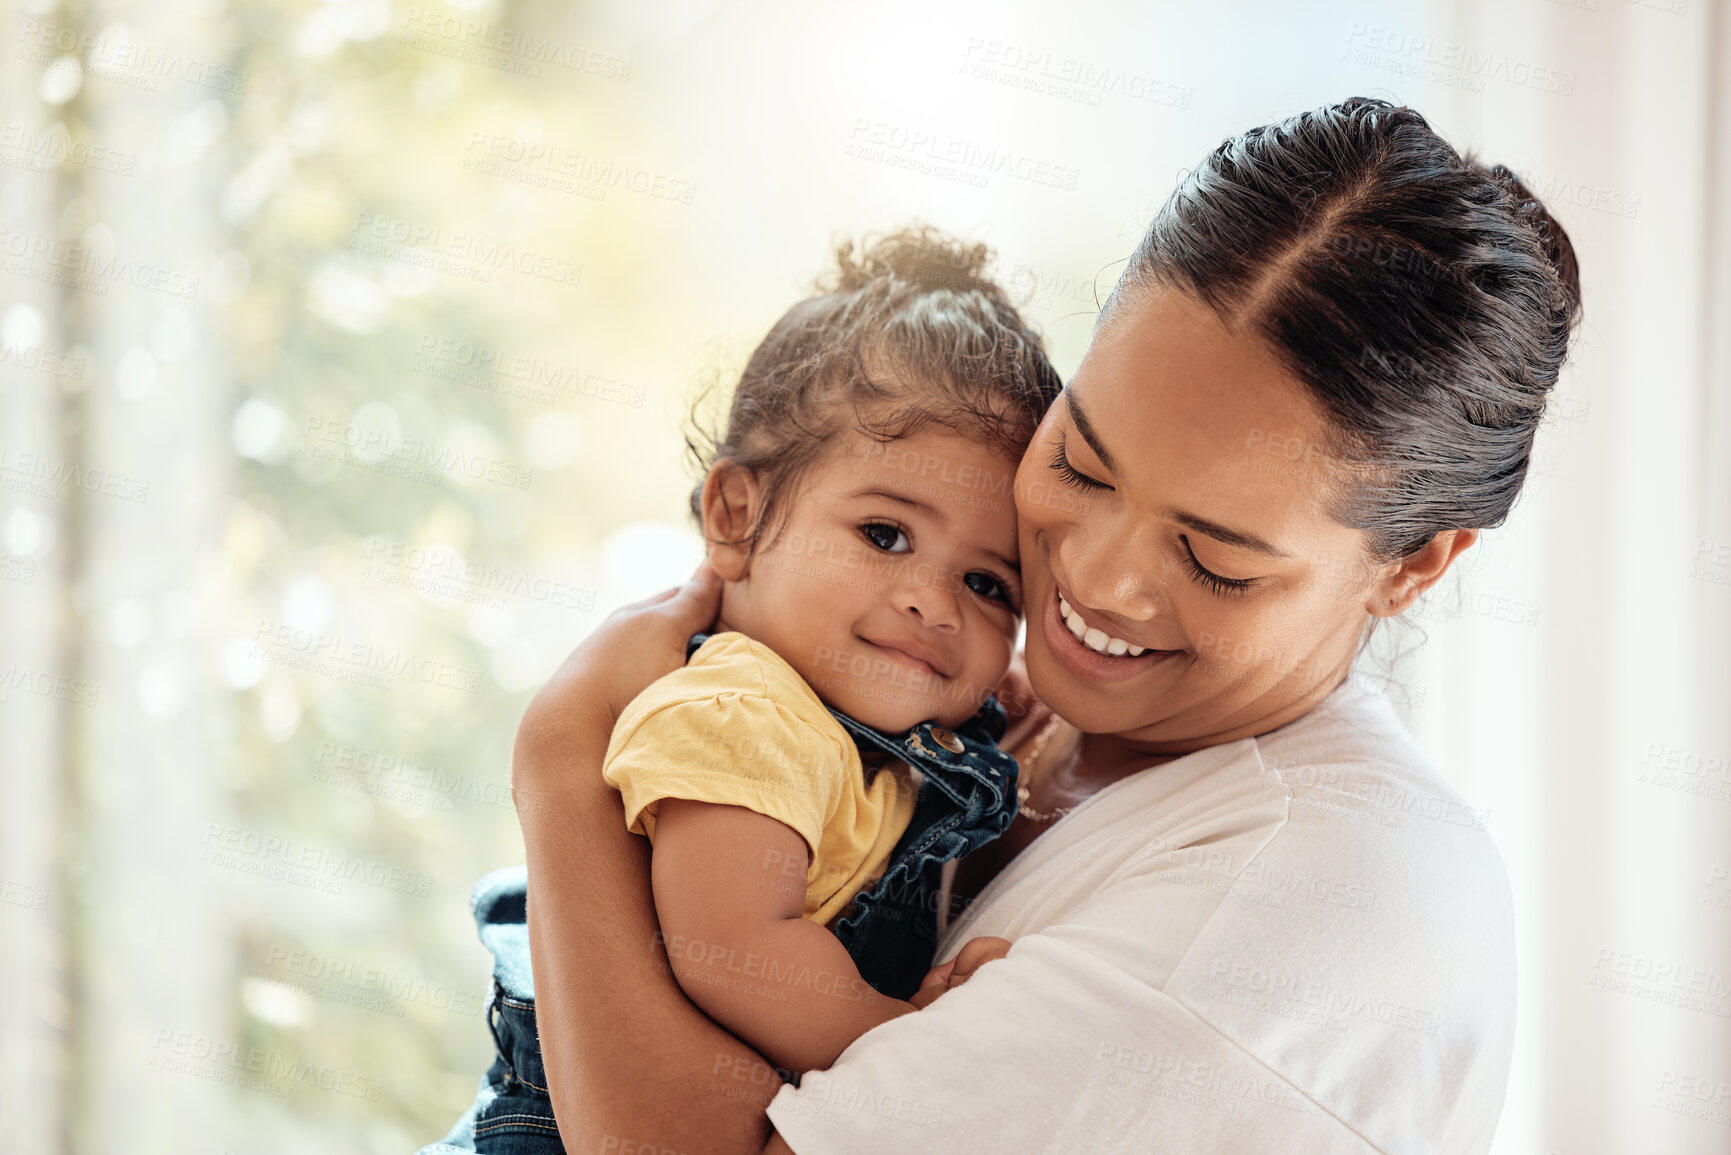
(909, 333)
(1425, 299)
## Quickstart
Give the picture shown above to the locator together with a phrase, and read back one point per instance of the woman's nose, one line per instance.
(1111, 571)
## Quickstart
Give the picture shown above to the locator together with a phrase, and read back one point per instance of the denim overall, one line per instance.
(967, 798)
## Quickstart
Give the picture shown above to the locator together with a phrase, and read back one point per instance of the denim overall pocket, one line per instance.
(518, 1120)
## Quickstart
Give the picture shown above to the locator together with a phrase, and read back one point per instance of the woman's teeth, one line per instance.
(1097, 640)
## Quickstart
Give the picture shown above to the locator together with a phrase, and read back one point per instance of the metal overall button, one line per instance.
(947, 740)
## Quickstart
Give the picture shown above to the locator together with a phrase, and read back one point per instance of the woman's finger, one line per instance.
(700, 595)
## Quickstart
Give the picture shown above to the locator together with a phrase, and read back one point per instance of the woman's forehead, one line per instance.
(1170, 353)
(1190, 411)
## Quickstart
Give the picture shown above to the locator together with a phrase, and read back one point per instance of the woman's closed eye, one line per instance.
(1224, 586)
(886, 536)
(1071, 475)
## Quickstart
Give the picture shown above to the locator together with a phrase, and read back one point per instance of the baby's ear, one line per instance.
(731, 502)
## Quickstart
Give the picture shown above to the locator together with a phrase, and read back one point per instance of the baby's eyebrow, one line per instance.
(903, 499)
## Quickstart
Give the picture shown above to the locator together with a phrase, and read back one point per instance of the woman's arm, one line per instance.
(629, 1058)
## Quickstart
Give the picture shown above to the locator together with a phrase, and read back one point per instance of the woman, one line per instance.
(1246, 912)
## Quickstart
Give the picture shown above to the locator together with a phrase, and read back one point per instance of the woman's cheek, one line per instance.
(1237, 642)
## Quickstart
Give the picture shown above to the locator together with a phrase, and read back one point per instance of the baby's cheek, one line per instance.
(988, 668)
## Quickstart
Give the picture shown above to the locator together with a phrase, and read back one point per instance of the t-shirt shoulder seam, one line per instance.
(1220, 899)
(1220, 903)
(1260, 1062)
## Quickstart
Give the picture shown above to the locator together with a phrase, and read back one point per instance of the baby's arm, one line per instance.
(975, 953)
(730, 916)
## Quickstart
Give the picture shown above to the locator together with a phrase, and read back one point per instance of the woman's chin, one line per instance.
(1087, 704)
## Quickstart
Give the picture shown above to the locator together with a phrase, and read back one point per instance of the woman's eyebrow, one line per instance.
(912, 503)
(1086, 429)
(1230, 536)
(1200, 524)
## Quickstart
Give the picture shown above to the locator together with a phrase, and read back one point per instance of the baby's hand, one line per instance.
(975, 953)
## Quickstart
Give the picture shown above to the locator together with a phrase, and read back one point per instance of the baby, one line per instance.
(858, 508)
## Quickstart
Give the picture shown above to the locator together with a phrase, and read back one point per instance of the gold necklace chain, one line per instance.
(1022, 792)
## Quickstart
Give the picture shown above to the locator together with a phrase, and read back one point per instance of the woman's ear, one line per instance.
(731, 502)
(1403, 581)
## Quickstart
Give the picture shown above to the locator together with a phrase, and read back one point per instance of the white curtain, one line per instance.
(1599, 735)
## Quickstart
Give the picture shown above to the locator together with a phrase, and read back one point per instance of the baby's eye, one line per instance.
(987, 586)
(886, 537)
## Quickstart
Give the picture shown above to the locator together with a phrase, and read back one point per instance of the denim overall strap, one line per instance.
(967, 798)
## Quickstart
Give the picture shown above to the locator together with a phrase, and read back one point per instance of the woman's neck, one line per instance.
(1104, 758)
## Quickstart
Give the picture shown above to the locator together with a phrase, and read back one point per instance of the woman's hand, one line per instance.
(975, 953)
(632, 648)
(627, 1053)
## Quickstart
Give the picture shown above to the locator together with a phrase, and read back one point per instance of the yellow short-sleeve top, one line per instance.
(736, 725)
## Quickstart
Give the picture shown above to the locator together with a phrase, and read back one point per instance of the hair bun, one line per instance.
(918, 255)
(1554, 241)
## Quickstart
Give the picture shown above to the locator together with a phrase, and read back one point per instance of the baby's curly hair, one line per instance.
(908, 333)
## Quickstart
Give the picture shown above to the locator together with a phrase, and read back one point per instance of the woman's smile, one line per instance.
(1079, 658)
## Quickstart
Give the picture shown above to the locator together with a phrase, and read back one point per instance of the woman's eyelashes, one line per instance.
(1223, 586)
(1071, 475)
(1213, 581)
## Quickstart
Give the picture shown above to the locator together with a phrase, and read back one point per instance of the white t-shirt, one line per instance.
(1302, 942)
